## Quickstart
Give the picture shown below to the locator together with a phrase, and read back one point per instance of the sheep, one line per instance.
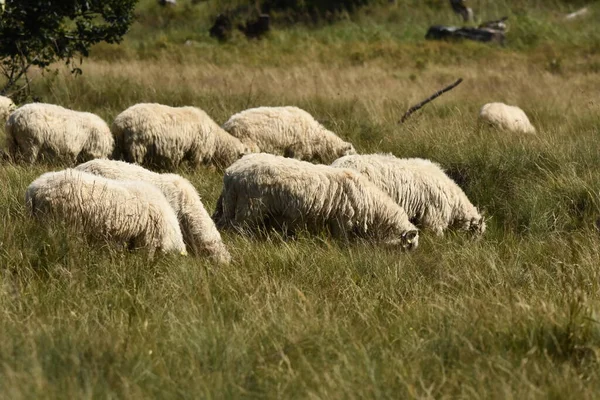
(430, 198)
(199, 231)
(506, 117)
(287, 131)
(6, 107)
(265, 190)
(153, 134)
(130, 212)
(47, 130)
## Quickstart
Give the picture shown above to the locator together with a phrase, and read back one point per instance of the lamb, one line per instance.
(157, 135)
(287, 131)
(46, 130)
(130, 212)
(6, 107)
(430, 198)
(264, 190)
(506, 117)
(199, 231)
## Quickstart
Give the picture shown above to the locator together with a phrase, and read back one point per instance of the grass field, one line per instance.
(514, 315)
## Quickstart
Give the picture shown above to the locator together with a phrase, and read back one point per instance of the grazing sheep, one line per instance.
(199, 231)
(506, 117)
(130, 212)
(6, 107)
(430, 198)
(287, 131)
(267, 190)
(50, 131)
(163, 136)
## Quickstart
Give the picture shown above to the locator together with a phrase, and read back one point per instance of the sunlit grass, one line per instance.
(513, 315)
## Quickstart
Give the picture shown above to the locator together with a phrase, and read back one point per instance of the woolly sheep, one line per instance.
(287, 131)
(264, 189)
(430, 198)
(130, 212)
(157, 135)
(6, 107)
(199, 231)
(506, 117)
(49, 130)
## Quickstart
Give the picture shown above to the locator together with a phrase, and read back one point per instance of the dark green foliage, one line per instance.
(38, 33)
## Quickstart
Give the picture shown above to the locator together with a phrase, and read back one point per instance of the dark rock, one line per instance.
(496, 25)
(439, 32)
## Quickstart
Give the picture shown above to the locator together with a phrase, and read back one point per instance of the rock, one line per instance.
(577, 14)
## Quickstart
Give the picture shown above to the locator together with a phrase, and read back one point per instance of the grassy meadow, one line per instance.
(513, 315)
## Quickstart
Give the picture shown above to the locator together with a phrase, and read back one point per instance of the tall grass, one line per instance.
(513, 315)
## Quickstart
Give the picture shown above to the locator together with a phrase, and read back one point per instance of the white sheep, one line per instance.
(157, 135)
(430, 198)
(51, 131)
(264, 190)
(199, 231)
(287, 131)
(6, 107)
(130, 212)
(505, 117)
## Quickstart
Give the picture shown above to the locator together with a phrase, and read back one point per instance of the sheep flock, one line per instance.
(283, 171)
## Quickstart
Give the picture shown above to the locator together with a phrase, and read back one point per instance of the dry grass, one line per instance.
(514, 315)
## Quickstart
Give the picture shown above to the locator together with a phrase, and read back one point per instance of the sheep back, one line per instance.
(263, 189)
(510, 118)
(199, 231)
(287, 131)
(164, 136)
(50, 131)
(121, 211)
(431, 199)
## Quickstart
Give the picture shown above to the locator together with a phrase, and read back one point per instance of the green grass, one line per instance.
(513, 315)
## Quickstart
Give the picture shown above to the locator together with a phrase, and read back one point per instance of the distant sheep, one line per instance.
(199, 231)
(506, 117)
(53, 132)
(287, 131)
(163, 136)
(135, 213)
(273, 191)
(6, 107)
(430, 198)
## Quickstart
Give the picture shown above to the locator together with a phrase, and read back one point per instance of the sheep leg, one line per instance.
(30, 154)
(249, 212)
(226, 207)
(339, 229)
(218, 214)
(294, 151)
(136, 153)
(194, 157)
(432, 220)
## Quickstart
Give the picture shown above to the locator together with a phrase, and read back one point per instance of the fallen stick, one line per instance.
(434, 96)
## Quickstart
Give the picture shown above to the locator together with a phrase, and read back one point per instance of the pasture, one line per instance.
(513, 315)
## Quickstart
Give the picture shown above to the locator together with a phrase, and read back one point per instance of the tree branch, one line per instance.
(434, 96)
